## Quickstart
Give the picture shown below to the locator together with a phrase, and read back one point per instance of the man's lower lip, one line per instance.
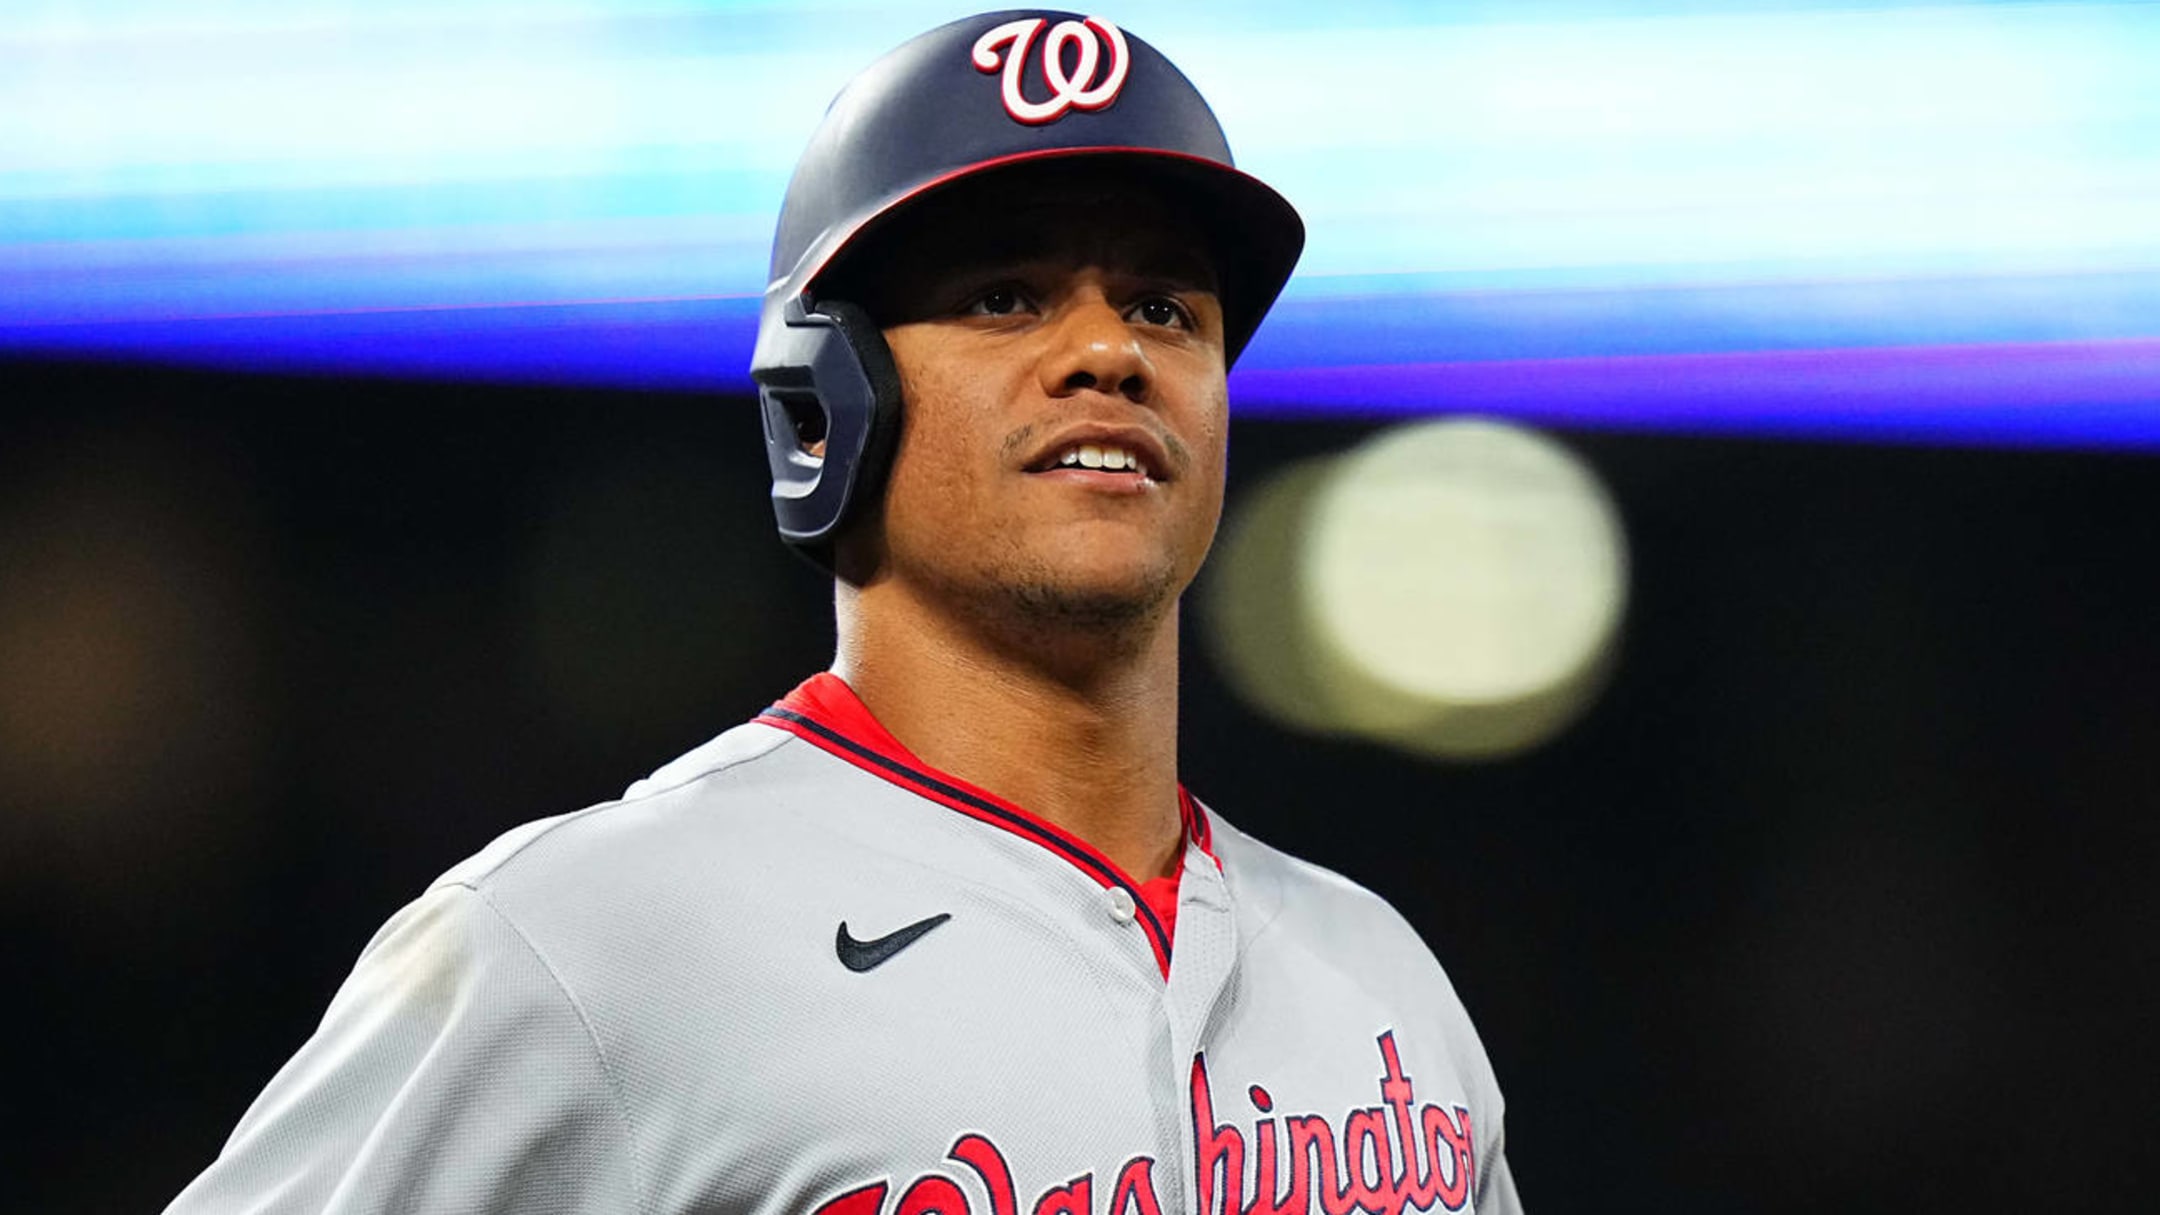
(1096, 479)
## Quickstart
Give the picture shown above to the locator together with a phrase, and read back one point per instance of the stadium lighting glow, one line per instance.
(1452, 588)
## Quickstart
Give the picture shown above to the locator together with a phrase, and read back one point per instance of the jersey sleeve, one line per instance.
(1496, 1188)
(452, 1072)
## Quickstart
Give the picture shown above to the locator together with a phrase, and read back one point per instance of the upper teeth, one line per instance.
(1089, 455)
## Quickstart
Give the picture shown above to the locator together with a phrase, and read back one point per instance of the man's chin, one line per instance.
(1104, 596)
(1040, 591)
(1085, 609)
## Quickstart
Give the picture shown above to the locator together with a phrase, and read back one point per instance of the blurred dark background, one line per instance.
(1842, 894)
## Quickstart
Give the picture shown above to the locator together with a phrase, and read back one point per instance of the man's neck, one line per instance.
(1078, 729)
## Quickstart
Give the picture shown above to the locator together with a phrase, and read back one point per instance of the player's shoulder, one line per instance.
(1289, 903)
(1278, 884)
(700, 859)
(710, 795)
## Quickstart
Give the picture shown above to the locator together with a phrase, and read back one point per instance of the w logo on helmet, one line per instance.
(1078, 91)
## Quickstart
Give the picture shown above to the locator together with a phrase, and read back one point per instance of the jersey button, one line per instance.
(1121, 905)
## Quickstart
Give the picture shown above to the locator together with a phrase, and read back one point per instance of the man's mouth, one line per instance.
(1102, 456)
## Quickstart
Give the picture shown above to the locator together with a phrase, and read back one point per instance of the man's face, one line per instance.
(1060, 349)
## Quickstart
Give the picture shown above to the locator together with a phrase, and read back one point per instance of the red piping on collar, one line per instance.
(825, 712)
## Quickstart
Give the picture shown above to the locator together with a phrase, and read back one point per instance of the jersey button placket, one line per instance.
(1121, 906)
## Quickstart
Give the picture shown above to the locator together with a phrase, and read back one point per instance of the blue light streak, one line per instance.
(426, 189)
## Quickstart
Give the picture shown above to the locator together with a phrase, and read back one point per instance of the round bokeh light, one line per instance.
(1453, 588)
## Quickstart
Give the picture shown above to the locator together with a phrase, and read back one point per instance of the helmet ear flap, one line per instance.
(867, 342)
(830, 395)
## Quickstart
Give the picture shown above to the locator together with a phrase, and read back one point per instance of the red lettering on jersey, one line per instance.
(1416, 1186)
(1376, 1169)
(1461, 1155)
(863, 1200)
(1295, 1162)
(1075, 1197)
(933, 1194)
(1267, 1198)
(1365, 1142)
(1312, 1141)
(1135, 1193)
(1218, 1150)
(981, 1155)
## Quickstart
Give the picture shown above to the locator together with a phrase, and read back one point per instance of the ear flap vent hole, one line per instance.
(807, 416)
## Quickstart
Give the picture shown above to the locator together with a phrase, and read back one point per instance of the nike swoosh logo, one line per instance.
(860, 956)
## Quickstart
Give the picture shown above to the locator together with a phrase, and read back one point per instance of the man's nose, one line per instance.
(1093, 346)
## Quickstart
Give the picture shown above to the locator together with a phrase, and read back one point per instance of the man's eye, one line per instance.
(1160, 310)
(1003, 301)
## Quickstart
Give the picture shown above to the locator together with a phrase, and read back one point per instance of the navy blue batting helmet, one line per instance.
(984, 95)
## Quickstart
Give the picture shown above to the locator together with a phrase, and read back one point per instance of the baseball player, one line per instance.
(940, 931)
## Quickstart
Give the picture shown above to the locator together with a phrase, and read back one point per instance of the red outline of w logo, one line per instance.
(1077, 91)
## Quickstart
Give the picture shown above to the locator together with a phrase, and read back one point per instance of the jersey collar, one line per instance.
(824, 711)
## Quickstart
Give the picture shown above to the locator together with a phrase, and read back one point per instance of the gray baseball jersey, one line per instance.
(799, 970)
